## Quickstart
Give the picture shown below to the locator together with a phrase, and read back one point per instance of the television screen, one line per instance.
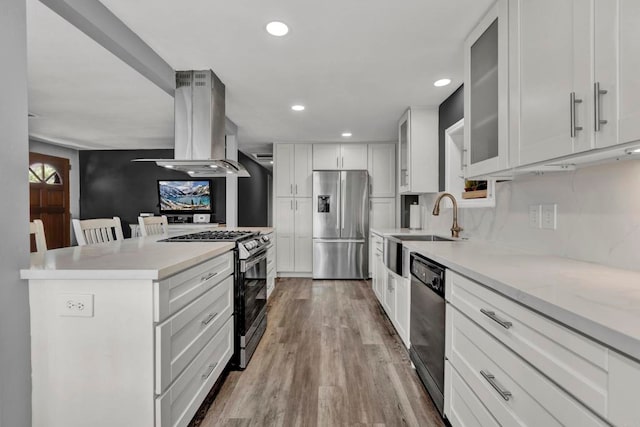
(185, 196)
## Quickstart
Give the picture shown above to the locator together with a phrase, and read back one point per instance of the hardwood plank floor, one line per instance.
(329, 357)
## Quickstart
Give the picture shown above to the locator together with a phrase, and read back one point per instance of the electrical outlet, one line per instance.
(535, 213)
(78, 305)
(549, 216)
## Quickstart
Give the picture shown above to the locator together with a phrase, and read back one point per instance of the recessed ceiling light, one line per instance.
(277, 28)
(441, 82)
(213, 166)
(346, 134)
(297, 107)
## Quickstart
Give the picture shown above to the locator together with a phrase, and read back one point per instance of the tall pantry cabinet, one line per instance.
(292, 166)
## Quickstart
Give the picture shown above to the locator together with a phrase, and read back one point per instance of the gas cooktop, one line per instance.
(214, 236)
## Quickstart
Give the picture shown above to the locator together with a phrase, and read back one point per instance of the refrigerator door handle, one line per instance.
(343, 181)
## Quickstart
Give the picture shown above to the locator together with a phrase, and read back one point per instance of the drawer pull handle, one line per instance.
(209, 276)
(209, 371)
(505, 394)
(209, 318)
(493, 316)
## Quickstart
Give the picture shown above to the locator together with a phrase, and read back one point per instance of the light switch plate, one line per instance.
(549, 216)
(77, 305)
(535, 214)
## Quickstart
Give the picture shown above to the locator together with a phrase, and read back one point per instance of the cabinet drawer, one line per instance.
(179, 403)
(462, 407)
(376, 242)
(177, 291)
(271, 259)
(511, 389)
(573, 361)
(180, 338)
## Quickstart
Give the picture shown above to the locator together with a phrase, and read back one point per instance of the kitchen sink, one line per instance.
(421, 238)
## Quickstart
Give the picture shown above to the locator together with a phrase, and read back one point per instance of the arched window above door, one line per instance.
(43, 173)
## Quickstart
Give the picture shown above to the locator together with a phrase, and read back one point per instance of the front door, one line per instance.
(49, 197)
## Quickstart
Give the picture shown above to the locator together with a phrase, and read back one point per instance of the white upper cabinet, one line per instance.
(382, 170)
(339, 156)
(551, 91)
(293, 170)
(617, 67)
(486, 83)
(418, 151)
(573, 86)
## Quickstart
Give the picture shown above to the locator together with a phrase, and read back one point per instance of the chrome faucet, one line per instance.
(455, 228)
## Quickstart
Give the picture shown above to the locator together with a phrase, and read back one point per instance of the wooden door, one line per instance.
(49, 197)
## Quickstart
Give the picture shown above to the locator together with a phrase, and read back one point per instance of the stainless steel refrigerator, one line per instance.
(340, 224)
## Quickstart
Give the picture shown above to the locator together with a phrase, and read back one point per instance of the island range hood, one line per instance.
(199, 106)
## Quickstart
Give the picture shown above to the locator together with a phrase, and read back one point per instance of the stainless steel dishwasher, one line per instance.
(428, 325)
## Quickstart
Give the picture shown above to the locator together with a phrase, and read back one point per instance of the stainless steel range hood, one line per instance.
(199, 108)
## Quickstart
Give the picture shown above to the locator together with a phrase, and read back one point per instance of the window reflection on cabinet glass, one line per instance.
(484, 96)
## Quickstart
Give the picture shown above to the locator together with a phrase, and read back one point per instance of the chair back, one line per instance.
(37, 229)
(153, 225)
(101, 230)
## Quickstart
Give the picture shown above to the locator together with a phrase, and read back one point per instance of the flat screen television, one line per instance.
(185, 196)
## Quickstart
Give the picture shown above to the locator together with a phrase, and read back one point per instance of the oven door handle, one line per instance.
(247, 264)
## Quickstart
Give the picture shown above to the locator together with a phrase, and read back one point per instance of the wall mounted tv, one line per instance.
(185, 196)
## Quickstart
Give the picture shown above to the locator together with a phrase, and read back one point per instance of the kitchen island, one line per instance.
(133, 332)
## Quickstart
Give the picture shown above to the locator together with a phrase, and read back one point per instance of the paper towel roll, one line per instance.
(415, 220)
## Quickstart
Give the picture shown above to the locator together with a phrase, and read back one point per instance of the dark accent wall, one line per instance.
(450, 111)
(253, 194)
(112, 185)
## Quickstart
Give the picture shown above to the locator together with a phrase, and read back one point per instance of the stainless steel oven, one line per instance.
(428, 325)
(251, 305)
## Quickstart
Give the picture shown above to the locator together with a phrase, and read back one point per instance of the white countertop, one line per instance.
(139, 258)
(403, 232)
(598, 301)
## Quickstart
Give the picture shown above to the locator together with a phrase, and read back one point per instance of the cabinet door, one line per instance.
(403, 151)
(326, 156)
(284, 223)
(403, 306)
(390, 296)
(303, 170)
(627, 40)
(383, 213)
(283, 169)
(382, 170)
(553, 62)
(303, 233)
(353, 156)
(486, 94)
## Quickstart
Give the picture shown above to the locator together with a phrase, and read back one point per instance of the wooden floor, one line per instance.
(329, 357)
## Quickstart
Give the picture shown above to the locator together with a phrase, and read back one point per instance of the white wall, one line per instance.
(598, 215)
(74, 173)
(15, 360)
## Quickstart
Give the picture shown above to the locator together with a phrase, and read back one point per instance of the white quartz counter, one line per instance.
(598, 301)
(402, 232)
(139, 258)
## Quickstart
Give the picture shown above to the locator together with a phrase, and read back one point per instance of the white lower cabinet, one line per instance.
(293, 223)
(527, 369)
(511, 389)
(177, 406)
(271, 270)
(393, 293)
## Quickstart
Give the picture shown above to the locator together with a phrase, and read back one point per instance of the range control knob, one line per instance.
(265, 238)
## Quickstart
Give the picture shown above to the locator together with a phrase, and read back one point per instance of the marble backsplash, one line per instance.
(598, 215)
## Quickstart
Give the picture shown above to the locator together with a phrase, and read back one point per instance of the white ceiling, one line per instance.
(355, 64)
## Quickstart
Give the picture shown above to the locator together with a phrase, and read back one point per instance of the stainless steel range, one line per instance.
(250, 308)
